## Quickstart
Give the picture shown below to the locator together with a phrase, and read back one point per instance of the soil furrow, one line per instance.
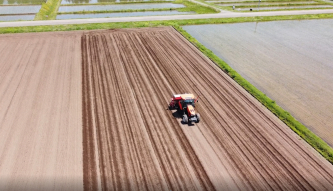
(135, 72)
(240, 119)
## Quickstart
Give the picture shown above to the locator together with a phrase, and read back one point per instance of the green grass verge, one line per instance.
(317, 143)
(190, 6)
(48, 11)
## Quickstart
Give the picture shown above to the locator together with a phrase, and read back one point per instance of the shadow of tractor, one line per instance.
(179, 115)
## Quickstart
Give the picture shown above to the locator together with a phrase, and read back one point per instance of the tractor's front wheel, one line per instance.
(185, 119)
(198, 118)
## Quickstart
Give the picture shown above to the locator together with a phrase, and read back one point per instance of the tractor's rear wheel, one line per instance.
(185, 119)
(198, 118)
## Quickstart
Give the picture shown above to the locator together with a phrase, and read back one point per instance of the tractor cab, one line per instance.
(187, 102)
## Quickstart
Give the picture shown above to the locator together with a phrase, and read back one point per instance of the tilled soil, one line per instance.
(40, 112)
(88, 110)
(131, 141)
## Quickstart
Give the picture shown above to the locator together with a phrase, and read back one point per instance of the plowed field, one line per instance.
(131, 141)
(40, 112)
(88, 110)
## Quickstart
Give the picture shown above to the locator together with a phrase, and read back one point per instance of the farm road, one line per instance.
(131, 141)
(223, 14)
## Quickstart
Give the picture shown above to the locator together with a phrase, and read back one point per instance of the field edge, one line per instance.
(312, 139)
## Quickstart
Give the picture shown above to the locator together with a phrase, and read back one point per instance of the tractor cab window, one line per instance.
(188, 102)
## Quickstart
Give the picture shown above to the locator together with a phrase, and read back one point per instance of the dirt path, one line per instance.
(40, 112)
(132, 142)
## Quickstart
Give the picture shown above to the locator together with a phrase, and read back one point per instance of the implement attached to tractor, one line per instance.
(185, 103)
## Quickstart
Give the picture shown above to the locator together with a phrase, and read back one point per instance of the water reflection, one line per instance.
(99, 1)
(285, 7)
(13, 2)
(17, 18)
(267, 3)
(119, 7)
(130, 14)
(7, 10)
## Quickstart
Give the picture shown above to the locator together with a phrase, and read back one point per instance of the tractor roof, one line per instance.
(183, 96)
(187, 96)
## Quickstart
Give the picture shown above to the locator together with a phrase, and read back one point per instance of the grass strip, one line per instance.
(317, 143)
(48, 11)
(195, 7)
(118, 11)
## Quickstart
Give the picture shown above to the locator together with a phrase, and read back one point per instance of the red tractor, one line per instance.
(185, 103)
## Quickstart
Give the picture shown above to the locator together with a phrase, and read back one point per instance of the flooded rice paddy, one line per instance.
(270, 5)
(17, 18)
(6, 10)
(67, 2)
(254, 1)
(230, 1)
(290, 61)
(21, 2)
(267, 3)
(284, 7)
(127, 14)
(118, 7)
